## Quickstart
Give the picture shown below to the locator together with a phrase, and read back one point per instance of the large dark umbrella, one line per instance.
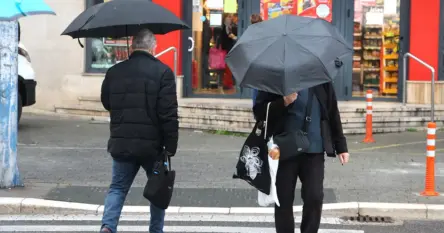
(288, 53)
(121, 18)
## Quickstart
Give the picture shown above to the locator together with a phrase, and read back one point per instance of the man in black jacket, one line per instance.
(324, 132)
(140, 94)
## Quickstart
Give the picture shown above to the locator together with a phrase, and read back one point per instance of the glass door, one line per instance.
(214, 31)
(376, 43)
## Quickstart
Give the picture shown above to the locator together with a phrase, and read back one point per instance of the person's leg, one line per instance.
(285, 185)
(157, 219)
(122, 179)
(311, 175)
(157, 215)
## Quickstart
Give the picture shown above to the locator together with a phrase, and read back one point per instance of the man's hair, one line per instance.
(144, 40)
(255, 18)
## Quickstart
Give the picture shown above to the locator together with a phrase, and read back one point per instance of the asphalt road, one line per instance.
(202, 223)
(65, 159)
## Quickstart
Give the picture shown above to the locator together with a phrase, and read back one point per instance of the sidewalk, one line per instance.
(66, 160)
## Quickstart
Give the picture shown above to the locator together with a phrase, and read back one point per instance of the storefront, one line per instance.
(373, 26)
(378, 29)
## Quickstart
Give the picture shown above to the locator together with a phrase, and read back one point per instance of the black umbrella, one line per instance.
(288, 53)
(122, 18)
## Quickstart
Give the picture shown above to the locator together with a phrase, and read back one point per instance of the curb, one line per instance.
(394, 210)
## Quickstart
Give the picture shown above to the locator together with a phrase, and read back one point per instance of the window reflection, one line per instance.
(106, 52)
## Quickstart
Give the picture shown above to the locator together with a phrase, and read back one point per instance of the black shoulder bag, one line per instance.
(294, 143)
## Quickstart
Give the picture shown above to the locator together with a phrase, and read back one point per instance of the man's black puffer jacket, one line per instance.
(140, 95)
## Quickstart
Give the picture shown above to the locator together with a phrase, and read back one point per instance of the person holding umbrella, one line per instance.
(140, 94)
(286, 114)
(291, 61)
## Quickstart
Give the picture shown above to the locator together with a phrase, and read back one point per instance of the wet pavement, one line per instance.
(65, 159)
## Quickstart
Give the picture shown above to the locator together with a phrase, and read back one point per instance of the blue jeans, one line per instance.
(122, 178)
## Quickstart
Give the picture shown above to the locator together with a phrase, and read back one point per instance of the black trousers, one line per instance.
(310, 170)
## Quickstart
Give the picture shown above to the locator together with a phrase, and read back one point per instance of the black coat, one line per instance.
(140, 95)
(226, 43)
(329, 112)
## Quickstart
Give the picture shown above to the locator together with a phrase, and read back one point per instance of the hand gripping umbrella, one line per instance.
(287, 54)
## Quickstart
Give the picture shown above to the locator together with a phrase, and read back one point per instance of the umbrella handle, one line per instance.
(80, 43)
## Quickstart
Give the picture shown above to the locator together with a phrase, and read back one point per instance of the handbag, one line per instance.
(160, 185)
(216, 58)
(292, 144)
(252, 165)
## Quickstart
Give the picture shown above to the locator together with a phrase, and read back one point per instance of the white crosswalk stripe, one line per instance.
(204, 223)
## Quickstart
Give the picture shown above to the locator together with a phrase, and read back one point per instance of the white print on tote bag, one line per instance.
(253, 163)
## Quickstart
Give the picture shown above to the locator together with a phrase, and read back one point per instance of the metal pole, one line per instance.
(404, 78)
(175, 62)
(432, 100)
(9, 173)
(175, 57)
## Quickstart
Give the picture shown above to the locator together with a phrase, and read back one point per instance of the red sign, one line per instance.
(315, 9)
(309, 8)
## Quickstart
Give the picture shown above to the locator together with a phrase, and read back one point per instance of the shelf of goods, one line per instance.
(357, 60)
(372, 56)
(390, 70)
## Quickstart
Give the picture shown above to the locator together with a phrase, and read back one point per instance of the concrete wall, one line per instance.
(58, 60)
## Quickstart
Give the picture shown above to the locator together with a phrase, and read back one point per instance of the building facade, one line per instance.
(381, 31)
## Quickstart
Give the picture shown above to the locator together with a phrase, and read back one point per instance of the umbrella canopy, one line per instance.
(287, 54)
(14, 9)
(121, 18)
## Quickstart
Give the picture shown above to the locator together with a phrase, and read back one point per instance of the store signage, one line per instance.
(374, 16)
(196, 2)
(390, 7)
(230, 6)
(315, 9)
(367, 2)
(215, 4)
(308, 8)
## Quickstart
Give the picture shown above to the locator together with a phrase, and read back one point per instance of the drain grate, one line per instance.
(369, 219)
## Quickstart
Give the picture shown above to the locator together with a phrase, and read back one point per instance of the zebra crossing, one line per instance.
(197, 223)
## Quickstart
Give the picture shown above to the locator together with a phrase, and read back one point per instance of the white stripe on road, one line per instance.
(170, 218)
(34, 146)
(208, 229)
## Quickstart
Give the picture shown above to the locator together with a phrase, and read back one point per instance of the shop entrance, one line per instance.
(216, 25)
(380, 34)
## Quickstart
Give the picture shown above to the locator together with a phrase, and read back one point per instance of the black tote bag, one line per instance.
(160, 185)
(252, 165)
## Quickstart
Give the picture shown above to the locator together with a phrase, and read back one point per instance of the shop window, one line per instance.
(376, 46)
(214, 33)
(103, 53)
